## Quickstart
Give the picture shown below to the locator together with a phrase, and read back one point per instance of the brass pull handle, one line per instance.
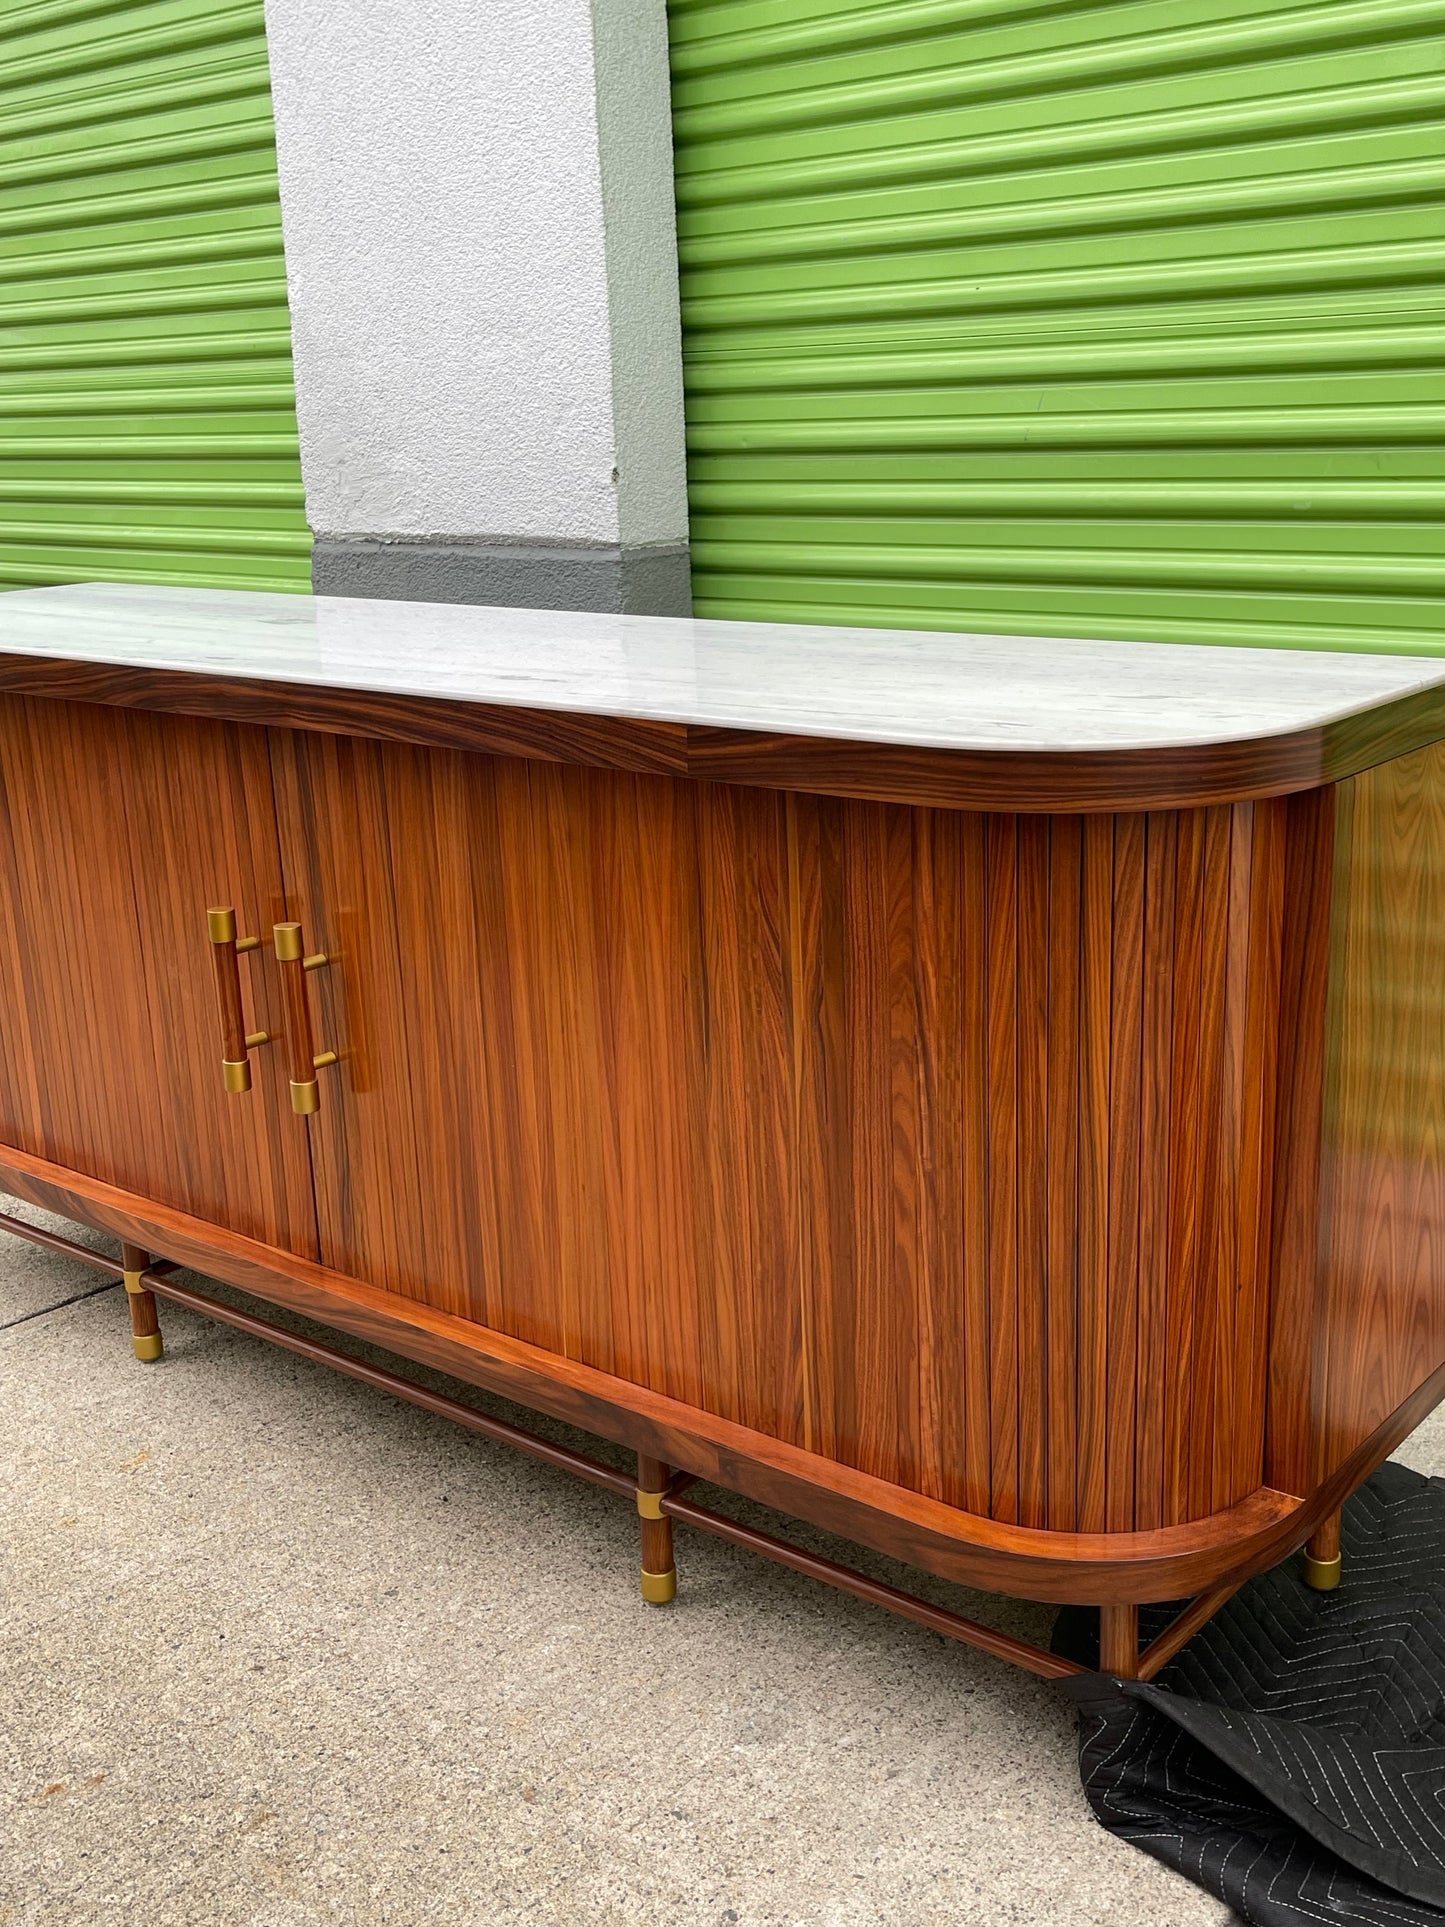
(305, 1062)
(236, 1041)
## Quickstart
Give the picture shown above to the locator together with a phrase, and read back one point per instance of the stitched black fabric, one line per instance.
(1291, 1759)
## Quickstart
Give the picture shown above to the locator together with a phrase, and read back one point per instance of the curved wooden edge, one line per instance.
(1184, 777)
(606, 742)
(652, 1476)
(1173, 1562)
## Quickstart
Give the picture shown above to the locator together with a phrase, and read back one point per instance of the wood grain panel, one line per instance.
(1126, 1154)
(1156, 1374)
(1254, 1021)
(1036, 1046)
(1235, 1072)
(1186, 1159)
(1060, 1024)
(881, 1130)
(953, 1311)
(118, 832)
(1297, 1326)
(743, 1112)
(1000, 918)
(1214, 1284)
(821, 1214)
(1075, 1175)
(1096, 964)
(899, 1087)
(1171, 1563)
(971, 884)
(1383, 1167)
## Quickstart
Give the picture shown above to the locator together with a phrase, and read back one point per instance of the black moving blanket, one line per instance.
(1291, 1759)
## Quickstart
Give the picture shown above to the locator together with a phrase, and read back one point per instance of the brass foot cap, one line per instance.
(148, 1349)
(659, 1587)
(1322, 1574)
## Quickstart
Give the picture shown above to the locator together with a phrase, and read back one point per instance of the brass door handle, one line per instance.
(305, 1061)
(236, 1041)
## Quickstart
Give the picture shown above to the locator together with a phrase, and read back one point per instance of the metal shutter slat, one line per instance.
(1113, 319)
(147, 402)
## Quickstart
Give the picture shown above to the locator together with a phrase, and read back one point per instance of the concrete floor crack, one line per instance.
(45, 1310)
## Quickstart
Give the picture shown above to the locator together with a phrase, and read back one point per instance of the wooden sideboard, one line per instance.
(983, 1096)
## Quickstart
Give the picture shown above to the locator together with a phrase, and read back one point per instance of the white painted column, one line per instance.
(481, 252)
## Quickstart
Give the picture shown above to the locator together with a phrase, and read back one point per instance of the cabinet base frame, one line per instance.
(1204, 1561)
(659, 1495)
(671, 1503)
(657, 1506)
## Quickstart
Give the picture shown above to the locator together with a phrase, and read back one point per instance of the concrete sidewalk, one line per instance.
(277, 1650)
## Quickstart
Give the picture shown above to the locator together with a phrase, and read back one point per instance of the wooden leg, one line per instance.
(1119, 1641)
(659, 1574)
(145, 1326)
(1322, 1556)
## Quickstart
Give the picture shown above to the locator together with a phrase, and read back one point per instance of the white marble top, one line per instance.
(919, 688)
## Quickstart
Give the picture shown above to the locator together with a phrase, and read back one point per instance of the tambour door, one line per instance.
(505, 1135)
(118, 831)
(931, 1141)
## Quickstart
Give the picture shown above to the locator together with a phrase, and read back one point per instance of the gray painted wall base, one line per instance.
(620, 581)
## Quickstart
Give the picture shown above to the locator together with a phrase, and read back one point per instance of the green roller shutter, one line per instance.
(147, 409)
(1066, 318)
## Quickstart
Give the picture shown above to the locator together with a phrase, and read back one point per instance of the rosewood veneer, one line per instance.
(980, 1095)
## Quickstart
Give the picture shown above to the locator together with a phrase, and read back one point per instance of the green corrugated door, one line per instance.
(1122, 320)
(147, 410)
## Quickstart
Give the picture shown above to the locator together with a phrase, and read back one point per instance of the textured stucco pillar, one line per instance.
(481, 254)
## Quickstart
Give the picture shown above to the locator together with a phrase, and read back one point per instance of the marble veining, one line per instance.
(917, 688)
